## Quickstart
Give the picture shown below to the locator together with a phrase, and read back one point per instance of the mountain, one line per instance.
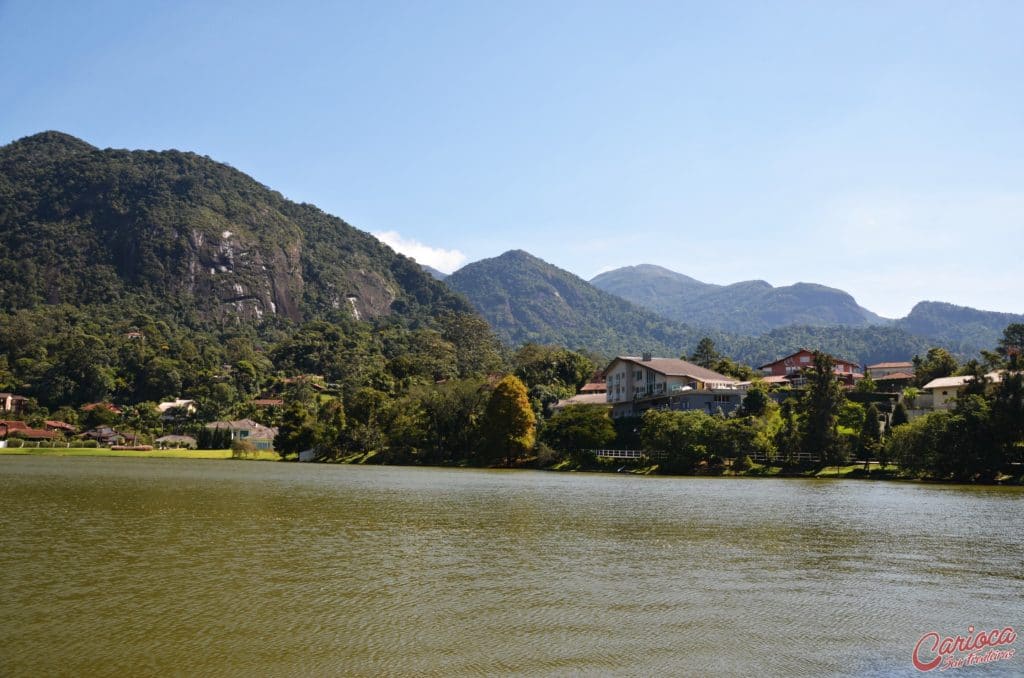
(436, 274)
(186, 237)
(961, 329)
(748, 308)
(526, 299)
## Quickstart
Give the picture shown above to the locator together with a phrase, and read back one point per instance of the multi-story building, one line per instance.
(634, 385)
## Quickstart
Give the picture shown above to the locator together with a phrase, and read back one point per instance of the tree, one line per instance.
(937, 363)
(870, 435)
(579, 427)
(865, 385)
(509, 423)
(899, 415)
(820, 408)
(684, 439)
(1011, 345)
(755, 402)
(705, 354)
(787, 438)
(298, 431)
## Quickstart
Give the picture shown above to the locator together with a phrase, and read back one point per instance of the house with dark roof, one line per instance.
(634, 385)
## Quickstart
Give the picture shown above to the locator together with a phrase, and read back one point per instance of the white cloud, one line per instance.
(443, 260)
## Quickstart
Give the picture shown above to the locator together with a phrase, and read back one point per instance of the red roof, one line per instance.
(804, 350)
(59, 424)
(895, 376)
(268, 402)
(110, 406)
(882, 366)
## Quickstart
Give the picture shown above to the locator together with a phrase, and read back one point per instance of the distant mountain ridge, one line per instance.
(526, 299)
(749, 307)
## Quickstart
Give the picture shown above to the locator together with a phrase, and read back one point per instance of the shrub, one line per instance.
(15, 442)
(89, 444)
(744, 463)
(241, 449)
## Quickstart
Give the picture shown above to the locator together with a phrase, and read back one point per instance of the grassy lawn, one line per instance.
(265, 455)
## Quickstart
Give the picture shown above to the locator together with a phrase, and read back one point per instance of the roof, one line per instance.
(806, 350)
(956, 382)
(775, 379)
(12, 396)
(110, 406)
(171, 404)
(594, 387)
(268, 402)
(582, 399)
(25, 432)
(176, 439)
(894, 376)
(882, 366)
(671, 367)
(59, 424)
(256, 430)
(13, 425)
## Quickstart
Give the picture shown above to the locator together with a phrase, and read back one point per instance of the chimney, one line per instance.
(647, 357)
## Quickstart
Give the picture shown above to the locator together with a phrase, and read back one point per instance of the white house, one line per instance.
(262, 437)
(944, 390)
(634, 385)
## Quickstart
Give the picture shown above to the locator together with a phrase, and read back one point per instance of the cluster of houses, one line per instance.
(631, 385)
(260, 436)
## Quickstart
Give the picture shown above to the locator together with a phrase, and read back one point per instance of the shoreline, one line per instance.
(845, 472)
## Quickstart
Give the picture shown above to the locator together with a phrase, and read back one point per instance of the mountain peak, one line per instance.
(51, 143)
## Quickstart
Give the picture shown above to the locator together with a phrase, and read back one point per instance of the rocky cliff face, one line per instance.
(84, 226)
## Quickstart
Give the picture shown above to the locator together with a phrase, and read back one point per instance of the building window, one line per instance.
(805, 358)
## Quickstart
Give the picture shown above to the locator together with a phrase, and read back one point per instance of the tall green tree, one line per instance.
(579, 427)
(705, 354)
(937, 363)
(870, 435)
(509, 423)
(683, 438)
(820, 408)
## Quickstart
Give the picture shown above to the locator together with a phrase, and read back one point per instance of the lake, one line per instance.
(228, 568)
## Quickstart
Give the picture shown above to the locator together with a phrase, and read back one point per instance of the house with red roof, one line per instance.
(791, 368)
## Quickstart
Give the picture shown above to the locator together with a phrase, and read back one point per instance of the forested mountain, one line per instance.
(141, 275)
(526, 299)
(183, 235)
(748, 308)
(960, 329)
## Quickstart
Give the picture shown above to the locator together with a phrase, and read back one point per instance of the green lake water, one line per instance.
(127, 567)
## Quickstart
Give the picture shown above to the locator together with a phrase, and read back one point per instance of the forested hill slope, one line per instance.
(527, 299)
(179, 234)
(749, 307)
(961, 329)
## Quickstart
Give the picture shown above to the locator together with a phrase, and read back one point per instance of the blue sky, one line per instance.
(871, 146)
